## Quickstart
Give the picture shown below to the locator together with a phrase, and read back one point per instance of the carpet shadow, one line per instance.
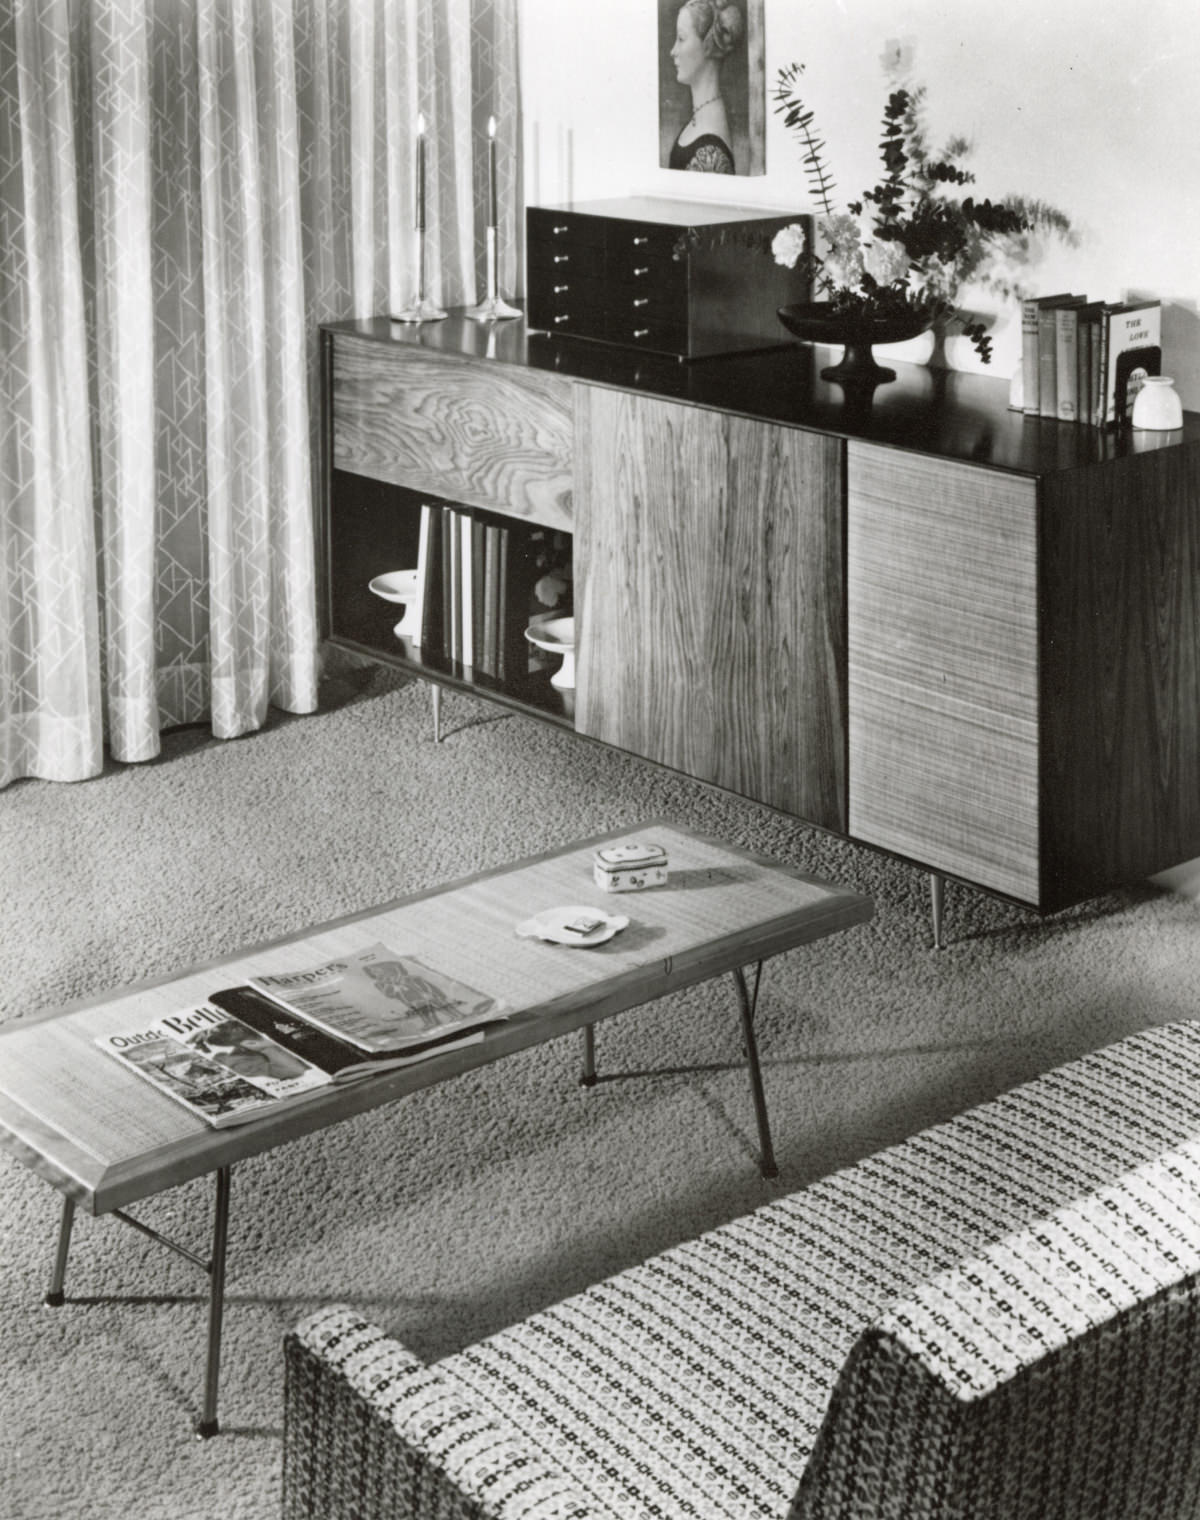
(813, 1059)
(1042, 928)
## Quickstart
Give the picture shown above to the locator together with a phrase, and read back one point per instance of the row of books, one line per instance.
(279, 1040)
(477, 579)
(1084, 361)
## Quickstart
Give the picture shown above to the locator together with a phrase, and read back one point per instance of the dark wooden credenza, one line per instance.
(963, 636)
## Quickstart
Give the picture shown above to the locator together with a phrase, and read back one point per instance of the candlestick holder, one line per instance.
(494, 308)
(420, 308)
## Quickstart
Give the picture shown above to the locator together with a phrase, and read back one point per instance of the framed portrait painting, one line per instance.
(711, 86)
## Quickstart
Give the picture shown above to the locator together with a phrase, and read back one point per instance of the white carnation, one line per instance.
(886, 261)
(844, 270)
(788, 244)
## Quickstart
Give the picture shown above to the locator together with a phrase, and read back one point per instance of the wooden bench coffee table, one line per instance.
(105, 1138)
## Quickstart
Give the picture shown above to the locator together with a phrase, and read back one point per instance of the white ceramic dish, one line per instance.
(556, 635)
(396, 585)
(570, 926)
(399, 586)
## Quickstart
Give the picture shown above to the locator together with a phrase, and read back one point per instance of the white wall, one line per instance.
(1092, 105)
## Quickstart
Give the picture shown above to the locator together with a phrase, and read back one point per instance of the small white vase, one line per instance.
(1157, 406)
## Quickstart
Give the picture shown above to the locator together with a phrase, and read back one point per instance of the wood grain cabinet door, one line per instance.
(487, 435)
(942, 567)
(709, 597)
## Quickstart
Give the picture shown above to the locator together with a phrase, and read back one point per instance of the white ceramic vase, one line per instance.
(1157, 406)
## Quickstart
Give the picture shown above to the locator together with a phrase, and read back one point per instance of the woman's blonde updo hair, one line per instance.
(719, 27)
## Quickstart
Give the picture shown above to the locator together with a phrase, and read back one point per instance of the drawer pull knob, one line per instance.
(562, 258)
(566, 317)
(639, 242)
(558, 289)
(641, 300)
(643, 269)
(558, 231)
(641, 332)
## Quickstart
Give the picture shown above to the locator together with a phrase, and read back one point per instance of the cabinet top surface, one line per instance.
(670, 212)
(946, 413)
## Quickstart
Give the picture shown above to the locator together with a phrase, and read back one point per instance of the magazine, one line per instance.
(376, 1000)
(343, 1062)
(220, 1069)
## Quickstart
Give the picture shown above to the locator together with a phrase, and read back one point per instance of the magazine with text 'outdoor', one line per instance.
(217, 1067)
(378, 1001)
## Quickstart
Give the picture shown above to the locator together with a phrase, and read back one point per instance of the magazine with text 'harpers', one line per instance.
(344, 1062)
(378, 1001)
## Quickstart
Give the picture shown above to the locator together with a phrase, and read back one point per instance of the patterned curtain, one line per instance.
(187, 187)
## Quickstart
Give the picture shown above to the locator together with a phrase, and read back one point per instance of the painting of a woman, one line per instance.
(710, 112)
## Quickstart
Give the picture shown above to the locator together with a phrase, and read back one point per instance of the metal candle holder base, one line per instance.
(494, 308)
(420, 308)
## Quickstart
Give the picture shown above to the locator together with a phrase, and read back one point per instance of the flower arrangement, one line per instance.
(908, 244)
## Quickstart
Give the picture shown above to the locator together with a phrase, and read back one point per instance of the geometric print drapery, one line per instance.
(187, 187)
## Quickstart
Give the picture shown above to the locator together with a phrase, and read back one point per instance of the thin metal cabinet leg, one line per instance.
(207, 1425)
(55, 1296)
(588, 1078)
(937, 907)
(435, 693)
(766, 1163)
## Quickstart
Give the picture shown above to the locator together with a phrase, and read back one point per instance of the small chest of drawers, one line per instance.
(675, 277)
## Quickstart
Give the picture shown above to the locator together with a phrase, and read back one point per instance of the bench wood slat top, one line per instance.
(107, 1138)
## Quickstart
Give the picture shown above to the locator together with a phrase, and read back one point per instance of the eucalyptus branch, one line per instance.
(798, 119)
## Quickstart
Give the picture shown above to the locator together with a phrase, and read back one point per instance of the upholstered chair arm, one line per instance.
(371, 1432)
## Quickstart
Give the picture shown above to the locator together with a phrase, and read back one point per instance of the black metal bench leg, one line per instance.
(59, 1276)
(937, 907)
(588, 1077)
(207, 1425)
(747, 1002)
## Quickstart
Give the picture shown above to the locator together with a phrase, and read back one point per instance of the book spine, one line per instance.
(1100, 370)
(1095, 353)
(415, 614)
(447, 583)
(491, 599)
(1029, 355)
(1047, 363)
(455, 622)
(466, 595)
(1066, 342)
(504, 667)
(478, 587)
(1083, 369)
(431, 592)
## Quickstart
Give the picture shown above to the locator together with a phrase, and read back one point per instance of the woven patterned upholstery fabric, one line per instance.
(1101, 1428)
(1034, 1292)
(372, 1431)
(1056, 1376)
(697, 1383)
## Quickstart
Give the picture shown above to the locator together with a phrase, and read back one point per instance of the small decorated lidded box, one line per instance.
(629, 867)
